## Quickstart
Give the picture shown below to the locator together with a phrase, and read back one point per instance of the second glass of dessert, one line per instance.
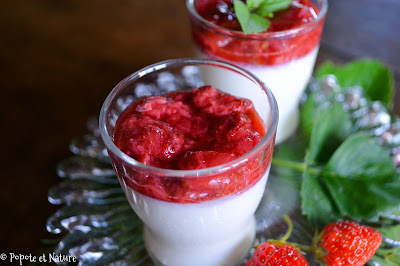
(191, 141)
(283, 56)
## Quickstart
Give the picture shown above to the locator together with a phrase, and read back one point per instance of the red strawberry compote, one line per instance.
(283, 56)
(193, 163)
(189, 130)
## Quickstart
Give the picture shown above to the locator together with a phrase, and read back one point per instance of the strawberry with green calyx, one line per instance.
(346, 243)
(278, 252)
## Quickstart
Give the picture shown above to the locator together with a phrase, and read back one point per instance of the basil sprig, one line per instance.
(253, 15)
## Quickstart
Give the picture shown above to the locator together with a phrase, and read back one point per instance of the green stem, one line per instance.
(289, 164)
(283, 240)
(301, 167)
(290, 228)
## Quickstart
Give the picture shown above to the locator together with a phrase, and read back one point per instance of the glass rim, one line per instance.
(270, 131)
(259, 36)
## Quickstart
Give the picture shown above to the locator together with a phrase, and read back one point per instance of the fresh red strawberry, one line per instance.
(347, 243)
(276, 254)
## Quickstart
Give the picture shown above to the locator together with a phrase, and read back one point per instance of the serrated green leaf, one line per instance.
(267, 7)
(363, 200)
(346, 175)
(392, 232)
(368, 159)
(316, 202)
(355, 181)
(387, 257)
(362, 179)
(307, 115)
(331, 127)
(375, 78)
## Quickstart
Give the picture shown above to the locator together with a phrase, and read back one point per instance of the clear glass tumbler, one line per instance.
(211, 222)
(283, 59)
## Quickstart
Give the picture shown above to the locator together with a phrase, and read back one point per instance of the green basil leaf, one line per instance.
(253, 3)
(257, 23)
(269, 6)
(242, 12)
(371, 75)
(253, 14)
(250, 22)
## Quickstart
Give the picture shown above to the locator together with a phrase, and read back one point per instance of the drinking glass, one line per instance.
(284, 60)
(194, 217)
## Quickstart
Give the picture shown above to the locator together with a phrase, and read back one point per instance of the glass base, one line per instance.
(231, 251)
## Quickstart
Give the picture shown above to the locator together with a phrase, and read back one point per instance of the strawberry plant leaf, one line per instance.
(363, 200)
(392, 232)
(368, 159)
(307, 114)
(371, 75)
(387, 257)
(346, 175)
(355, 166)
(316, 202)
(363, 173)
(331, 127)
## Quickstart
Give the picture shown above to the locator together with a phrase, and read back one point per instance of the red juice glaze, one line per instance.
(255, 48)
(189, 130)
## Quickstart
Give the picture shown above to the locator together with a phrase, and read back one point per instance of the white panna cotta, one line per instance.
(216, 232)
(287, 82)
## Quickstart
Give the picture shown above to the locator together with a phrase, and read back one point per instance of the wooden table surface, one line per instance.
(59, 60)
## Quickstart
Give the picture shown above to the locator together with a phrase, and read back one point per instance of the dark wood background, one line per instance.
(59, 60)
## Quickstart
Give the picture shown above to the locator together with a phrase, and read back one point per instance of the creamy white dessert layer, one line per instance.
(287, 82)
(216, 232)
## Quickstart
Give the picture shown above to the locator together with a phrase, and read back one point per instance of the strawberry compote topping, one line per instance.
(261, 49)
(189, 130)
